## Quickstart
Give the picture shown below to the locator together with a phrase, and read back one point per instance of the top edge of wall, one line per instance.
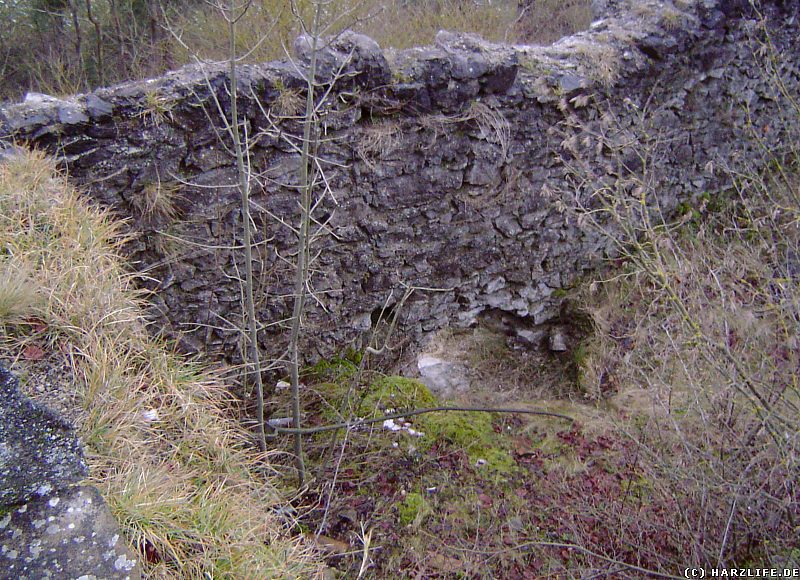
(627, 38)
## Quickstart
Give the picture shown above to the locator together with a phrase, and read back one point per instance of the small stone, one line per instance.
(557, 342)
(97, 107)
(391, 425)
(508, 225)
(516, 524)
(150, 416)
(530, 337)
(569, 83)
(442, 377)
(71, 115)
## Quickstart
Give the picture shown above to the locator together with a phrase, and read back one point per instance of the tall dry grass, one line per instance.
(180, 474)
(41, 53)
(696, 336)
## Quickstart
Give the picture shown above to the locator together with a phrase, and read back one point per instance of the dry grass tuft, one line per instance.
(17, 294)
(158, 201)
(498, 373)
(493, 125)
(378, 140)
(497, 21)
(178, 472)
(289, 103)
(600, 62)
(545, 21)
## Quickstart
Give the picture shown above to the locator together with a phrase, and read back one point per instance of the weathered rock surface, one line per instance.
(68, 534)
(557, 340)
(450, 165)
(38, 450)
(49, 527)
(445, 379)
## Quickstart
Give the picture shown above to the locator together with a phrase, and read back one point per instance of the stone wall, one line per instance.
(451, 166)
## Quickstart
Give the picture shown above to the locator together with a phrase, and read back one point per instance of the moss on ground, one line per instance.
(413, 509)
(471, 431)
(395, 392)
(337, 368)
(474, 433)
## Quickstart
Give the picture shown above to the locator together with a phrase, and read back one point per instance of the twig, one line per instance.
(411, 413)
(567, 546)
(332, 486)
(366, 540)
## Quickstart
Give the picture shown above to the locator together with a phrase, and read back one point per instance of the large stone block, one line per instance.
(39, 452)
(69, 534)
(50, 527)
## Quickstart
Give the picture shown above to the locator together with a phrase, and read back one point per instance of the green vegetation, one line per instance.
(685, 446)
(468, 431)
(474, 433)
(413, 509)
(336, 368)
(397, 393)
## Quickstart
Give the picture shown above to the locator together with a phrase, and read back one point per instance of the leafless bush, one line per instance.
(698, 334)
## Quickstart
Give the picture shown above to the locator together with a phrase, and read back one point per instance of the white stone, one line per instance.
(442, 377)
(150, 416)
(391, 425)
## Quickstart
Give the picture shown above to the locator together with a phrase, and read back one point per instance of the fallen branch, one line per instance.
(567, 546)
(411, 413)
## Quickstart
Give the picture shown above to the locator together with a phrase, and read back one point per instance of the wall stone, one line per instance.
(451, 166)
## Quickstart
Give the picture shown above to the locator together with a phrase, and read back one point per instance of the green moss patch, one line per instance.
(413, 509)
(395, 392)
(335, 369)
(472, 432)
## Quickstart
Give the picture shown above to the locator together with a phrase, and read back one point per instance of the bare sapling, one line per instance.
(301, 264)
(235, 130)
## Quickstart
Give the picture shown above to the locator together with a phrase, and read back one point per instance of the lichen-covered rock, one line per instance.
(39, 452)
(69, 534)
(348, 56)
(49, 527)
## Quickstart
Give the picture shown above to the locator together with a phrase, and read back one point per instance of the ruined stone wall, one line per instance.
(451, 166)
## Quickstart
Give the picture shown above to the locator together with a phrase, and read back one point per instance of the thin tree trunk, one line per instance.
(98, 30)
(244, 189)
(301, 267)
(73, 10)
(118, 31)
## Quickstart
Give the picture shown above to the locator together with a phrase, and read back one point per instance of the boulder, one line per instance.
(49, 526)
(39, 452)
(444, 378)
(66, 534)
